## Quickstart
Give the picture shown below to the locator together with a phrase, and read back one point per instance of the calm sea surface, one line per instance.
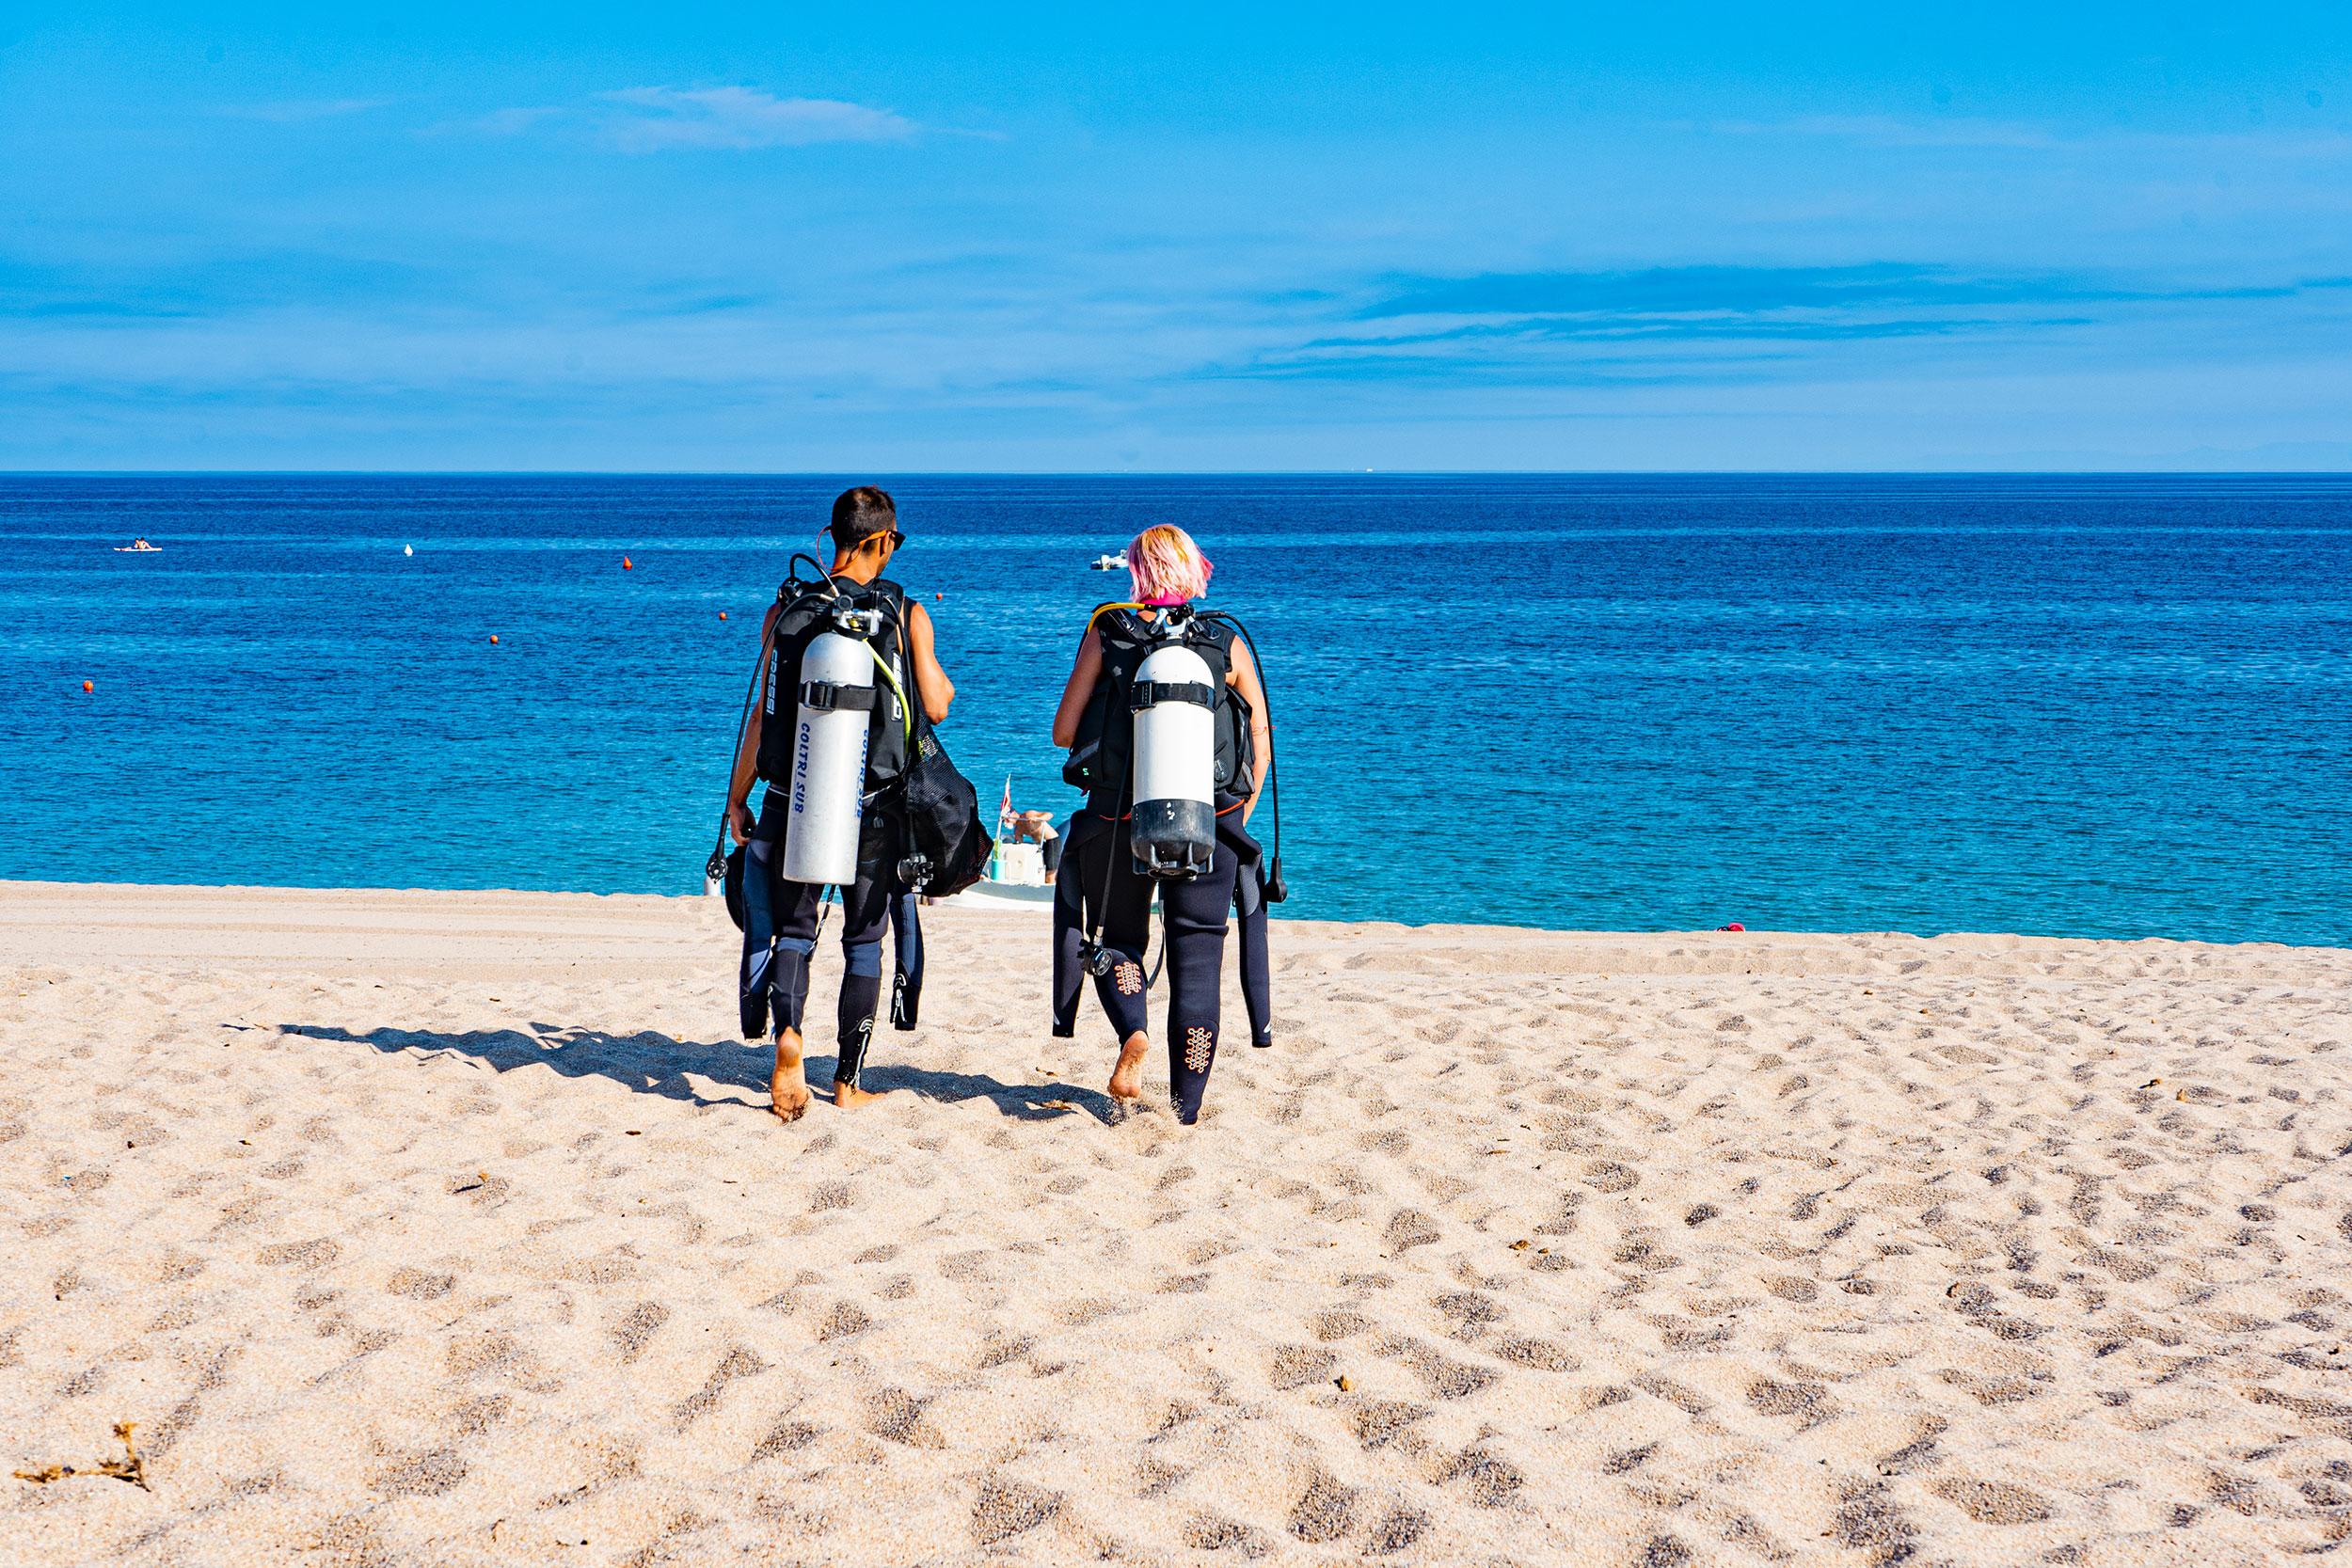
(2105, 706)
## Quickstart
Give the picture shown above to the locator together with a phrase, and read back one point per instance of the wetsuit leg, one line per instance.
(759, 938)
(1068, 932)
(865, 916)
(1256, 964)
(1125, 913)
(906, 988)
(861, 991)
(1196, 914)
(779, 931)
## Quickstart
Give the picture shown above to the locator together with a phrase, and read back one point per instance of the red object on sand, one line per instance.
(1735, 925)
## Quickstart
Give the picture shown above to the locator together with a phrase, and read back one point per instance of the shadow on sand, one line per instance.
(652, 1063)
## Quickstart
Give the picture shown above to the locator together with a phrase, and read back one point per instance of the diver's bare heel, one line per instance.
(1127, 1077)
(848, 1096)
(787, 1091)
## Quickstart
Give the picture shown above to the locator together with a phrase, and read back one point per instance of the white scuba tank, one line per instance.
(831, 732)
(1174, 827)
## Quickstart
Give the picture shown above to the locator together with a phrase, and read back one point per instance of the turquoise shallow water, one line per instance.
(2098, 706)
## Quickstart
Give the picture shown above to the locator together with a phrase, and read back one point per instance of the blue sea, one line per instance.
(2114, 706)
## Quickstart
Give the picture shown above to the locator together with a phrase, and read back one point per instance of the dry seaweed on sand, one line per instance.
(129, 1467)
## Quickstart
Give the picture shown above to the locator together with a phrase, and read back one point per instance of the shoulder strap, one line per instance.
(918, 717)
(1115, 620)
(1203, 633)
(1124, 638)
(796, 597)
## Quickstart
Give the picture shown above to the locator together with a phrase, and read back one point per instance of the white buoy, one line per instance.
(409, 549)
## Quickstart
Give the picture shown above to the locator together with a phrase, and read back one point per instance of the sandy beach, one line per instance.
(423, 1227)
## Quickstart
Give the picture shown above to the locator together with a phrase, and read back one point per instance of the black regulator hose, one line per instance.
(1277, 890)
(823, 578)
(716, 866)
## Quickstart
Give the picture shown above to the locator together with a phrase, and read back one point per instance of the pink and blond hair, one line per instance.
(1167, 567)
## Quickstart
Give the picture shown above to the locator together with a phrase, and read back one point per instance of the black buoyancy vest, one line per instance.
(1099, 757)
(807, 610)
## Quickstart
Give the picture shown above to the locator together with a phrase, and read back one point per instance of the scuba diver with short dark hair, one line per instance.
(835, 727)
(1165, 716)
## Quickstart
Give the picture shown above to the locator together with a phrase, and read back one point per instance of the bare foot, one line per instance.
(848, 1096)
(787, 1091)
(1127, 1077)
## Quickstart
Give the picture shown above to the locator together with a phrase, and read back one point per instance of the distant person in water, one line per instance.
(780, 916)
(1100, 888)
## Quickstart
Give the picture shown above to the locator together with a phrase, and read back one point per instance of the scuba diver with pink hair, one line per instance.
(1166, 720)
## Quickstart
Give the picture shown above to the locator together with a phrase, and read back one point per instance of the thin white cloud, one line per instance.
(2020, 135)
(653, 120)
(511, 122)
(295, 111)
(1889, 131)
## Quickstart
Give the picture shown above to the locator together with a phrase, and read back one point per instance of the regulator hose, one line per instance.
(1277, 890)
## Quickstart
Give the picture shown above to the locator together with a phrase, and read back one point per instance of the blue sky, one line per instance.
(776, 238)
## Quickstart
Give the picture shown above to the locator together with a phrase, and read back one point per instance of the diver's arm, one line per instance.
(931, 682)
(1084, 675)
(747, 754)
(1244, 677)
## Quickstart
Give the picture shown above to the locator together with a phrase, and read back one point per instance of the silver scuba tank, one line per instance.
(832, 731)
(1173, 831)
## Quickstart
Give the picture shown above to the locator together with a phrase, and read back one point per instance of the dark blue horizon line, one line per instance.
(1178, 473)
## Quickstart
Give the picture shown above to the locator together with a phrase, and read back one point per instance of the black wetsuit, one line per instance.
(1250, 905)
(781, 917)
(1196, 913)
(906, 985)
(780, 933)
(1256, 964)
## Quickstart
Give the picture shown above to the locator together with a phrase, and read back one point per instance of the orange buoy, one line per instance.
(88, 685)
(626, 565)
(723, 615)
(494, 637)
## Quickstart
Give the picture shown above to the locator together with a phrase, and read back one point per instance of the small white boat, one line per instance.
(987, 894)
(1015, 882)
(1016, 864)
(1015, 878)
(1109, 562)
